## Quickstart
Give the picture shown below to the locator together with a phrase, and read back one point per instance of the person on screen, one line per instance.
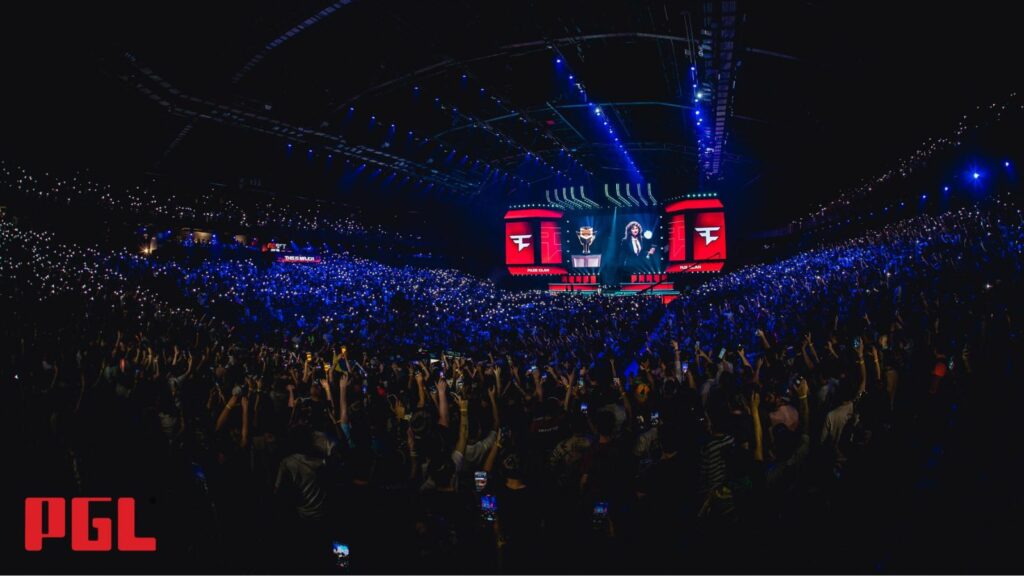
(634, 248)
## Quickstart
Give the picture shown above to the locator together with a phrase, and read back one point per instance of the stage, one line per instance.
(638, 285)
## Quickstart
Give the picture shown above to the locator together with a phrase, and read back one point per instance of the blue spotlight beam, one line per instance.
(599, 113)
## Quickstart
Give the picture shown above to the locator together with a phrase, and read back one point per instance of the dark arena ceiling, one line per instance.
(799, 99)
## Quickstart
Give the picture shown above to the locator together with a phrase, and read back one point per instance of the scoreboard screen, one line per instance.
(616, 243)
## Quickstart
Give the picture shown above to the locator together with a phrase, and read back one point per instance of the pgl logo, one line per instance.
(46, 518)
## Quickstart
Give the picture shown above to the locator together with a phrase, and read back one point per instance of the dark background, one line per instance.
(826, 94)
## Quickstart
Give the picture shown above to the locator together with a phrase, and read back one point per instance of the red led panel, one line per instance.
(708, 236)
(550, 242)
(702, 204)
(519, 243)
(677, 238)
(532, 213)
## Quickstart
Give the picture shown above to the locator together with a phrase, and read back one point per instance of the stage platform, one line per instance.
(639, 284)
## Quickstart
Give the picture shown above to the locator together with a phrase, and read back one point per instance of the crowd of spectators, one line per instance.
(209, 208)
(351, 416)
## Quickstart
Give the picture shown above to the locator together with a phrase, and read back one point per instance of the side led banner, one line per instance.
(708, 236)
(520, 243)
(536, 270)
(298, 259)
(695, 267)
(696, 235)
(677, 238)
(550, 242)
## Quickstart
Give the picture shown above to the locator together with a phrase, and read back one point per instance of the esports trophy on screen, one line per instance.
(636, 249)
(586, 235)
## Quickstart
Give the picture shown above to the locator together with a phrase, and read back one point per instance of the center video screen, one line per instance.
(616, 244)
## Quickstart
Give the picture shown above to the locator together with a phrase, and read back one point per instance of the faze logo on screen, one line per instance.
(520, 240)
(705, 233)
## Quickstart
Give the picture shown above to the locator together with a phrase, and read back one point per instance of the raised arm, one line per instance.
(492, 454)
(514, 371)
(861, 367)
(677, 364)
(806, 345)
(413, 456)
(245, 421)
(743, 358)
(568, 391)
(460, 444)
(492, 395)
(442, 402)
(617, 384)
(420, 390)
(876, 363)
(831, 350)
(335, 361)
(803, 406)
(344, 356)
(343, 400)
(224, 413)
(291, 395)
(755, 416)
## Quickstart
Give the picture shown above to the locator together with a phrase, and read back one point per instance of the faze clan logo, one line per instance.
(521, 240)
(705, 233)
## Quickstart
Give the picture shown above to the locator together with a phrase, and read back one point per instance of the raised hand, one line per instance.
(800, 388)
